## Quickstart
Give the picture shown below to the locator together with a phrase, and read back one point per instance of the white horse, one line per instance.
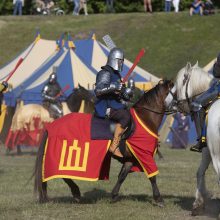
(191, 81)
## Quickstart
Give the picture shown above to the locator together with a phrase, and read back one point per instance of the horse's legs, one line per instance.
(158, 200)
(160, 155)
(201, 192)
(43, 193)
(121, 177)
(74, 189)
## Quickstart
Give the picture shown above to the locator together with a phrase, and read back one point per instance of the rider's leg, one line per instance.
(204, 135)
(56, 110)
(199, 114)
(114, 147)
(122, 117)
(198, 118)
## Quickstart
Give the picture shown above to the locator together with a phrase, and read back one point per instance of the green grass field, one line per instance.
(171, 40)
(176, 182)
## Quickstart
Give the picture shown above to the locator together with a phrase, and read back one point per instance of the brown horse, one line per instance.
(150, 108)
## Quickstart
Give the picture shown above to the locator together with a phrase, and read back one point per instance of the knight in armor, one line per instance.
(112, 96)
(51, 93)
(200, 105)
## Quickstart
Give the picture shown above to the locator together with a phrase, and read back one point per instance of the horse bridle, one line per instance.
(177, 102)
(187, 99)
(166, 112)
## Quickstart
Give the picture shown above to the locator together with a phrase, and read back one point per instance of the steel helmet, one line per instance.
(116, 59)
(52, 77)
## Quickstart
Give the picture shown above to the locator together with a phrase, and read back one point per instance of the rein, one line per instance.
(186, 92)
(187, 99)
(166, 112)
(156, 112)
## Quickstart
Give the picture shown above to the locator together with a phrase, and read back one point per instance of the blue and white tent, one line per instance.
(41, 53)
(95, 54)
(75, 65)
(29, 60)
(70, 70)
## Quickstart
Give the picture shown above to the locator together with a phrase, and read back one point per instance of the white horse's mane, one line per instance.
(199, 81)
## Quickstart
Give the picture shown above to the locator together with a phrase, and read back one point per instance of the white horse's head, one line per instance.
(190, 82)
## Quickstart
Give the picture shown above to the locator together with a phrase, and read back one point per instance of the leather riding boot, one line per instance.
(199, 118)
(198, 147)
(114, 147)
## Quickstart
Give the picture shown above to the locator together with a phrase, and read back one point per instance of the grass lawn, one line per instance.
(171, 39)
(176, 182)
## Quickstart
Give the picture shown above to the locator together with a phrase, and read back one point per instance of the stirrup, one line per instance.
(113, 149)
(198, 147)
(119, 154)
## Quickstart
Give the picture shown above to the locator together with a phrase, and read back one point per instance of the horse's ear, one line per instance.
(196, 64)
(188, 66)
(79, 85)
(161, 81)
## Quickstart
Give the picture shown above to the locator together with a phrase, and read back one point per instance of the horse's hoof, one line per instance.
(159, 204)
(76, 196)
(209, 195)
(76, 199)
(115, 198)
(199, 210)
(43, 200)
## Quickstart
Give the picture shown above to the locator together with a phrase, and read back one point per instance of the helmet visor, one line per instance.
(52, 78)
(120, 64)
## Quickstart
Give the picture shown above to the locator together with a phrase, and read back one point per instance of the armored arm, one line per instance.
(45, 94)
(128, 92)
(104, 85)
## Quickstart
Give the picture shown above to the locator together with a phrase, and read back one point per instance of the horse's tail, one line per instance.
(38, 165)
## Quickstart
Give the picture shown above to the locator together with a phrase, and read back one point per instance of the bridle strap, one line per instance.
(186, 92)
(156, 112)
(165, 112)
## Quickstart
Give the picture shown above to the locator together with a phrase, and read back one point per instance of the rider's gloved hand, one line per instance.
(118, 86)
(127, 94)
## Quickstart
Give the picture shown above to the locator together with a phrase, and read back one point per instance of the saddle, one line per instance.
(104, 128)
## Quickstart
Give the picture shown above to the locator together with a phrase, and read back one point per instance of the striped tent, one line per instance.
(25, 65)
(95, 54)
(70, 70)
(22, 66)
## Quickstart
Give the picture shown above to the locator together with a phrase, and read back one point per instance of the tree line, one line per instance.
(97, 6)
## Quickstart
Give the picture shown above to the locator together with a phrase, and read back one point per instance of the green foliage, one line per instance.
(99, 6)
(6, 7)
